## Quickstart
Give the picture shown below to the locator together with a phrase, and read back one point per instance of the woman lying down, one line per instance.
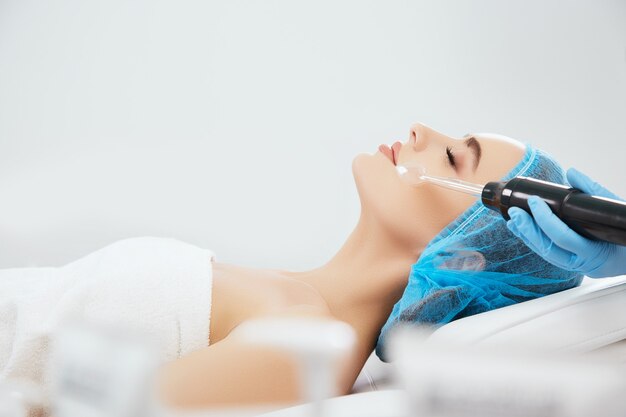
(423, 255)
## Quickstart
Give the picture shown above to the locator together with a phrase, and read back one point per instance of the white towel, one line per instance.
(158, 286)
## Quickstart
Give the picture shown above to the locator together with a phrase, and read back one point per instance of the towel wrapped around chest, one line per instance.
(158, 286)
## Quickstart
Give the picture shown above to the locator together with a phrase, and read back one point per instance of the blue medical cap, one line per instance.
(476, 264)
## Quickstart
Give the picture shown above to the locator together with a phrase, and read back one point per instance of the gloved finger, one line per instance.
(529, 232)
(581, 181)
(516, 214)
(555, 229)
(512, 226)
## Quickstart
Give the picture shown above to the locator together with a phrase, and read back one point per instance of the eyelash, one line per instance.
(450, 156)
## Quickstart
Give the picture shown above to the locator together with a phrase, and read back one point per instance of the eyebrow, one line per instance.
(474, 145)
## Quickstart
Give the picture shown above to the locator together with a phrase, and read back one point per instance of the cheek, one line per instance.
(413, 215)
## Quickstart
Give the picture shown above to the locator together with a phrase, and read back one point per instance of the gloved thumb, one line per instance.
(581, 181)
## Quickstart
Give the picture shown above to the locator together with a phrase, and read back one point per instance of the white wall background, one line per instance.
(232, 124)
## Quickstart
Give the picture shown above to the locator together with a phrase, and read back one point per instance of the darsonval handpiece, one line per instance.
(594, 217)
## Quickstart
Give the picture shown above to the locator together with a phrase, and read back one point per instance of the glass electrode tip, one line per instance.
(412, 173)
(415, 174)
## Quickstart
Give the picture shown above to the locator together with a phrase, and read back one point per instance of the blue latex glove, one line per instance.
(553, 240)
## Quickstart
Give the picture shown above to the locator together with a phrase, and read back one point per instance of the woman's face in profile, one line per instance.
(415, 215)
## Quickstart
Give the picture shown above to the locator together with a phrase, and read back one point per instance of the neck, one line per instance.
(363, 281)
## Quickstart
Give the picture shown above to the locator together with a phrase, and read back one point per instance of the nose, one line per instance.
(419, 136)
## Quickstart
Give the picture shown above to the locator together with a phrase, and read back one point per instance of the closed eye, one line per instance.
(451, 158)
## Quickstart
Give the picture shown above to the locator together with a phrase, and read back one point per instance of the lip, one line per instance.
(388, 152)
(391, 152)
(396, 151)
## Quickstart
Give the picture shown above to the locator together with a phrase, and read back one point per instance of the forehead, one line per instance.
(500, 154)
(495, 137)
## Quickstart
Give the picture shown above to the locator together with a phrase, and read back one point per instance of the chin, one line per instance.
(375, 177)
(360, 163)
(363, 166)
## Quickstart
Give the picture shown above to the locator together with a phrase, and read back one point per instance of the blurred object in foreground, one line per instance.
(448, 380)
(19, 398)
(101, 372)
(318, 345)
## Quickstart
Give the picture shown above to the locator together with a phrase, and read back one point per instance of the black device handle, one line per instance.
(594, 217)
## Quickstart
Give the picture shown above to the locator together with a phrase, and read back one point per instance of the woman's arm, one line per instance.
(230, 373)
(233, 372)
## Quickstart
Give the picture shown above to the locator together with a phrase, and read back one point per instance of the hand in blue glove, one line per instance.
(553, 240)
